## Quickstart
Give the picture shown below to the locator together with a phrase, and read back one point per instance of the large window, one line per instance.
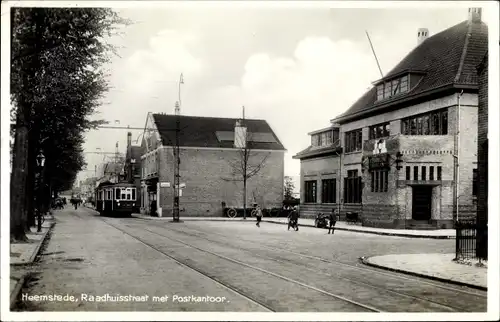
(392, 88)
(328, 190)
(353, 141)
(433, 123)
(310, 191)
(352, 187)
(379, 131)
(380, 180)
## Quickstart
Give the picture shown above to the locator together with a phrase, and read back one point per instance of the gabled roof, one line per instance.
(447, 59)
(197, 131)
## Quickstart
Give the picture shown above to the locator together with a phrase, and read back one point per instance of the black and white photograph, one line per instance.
(249, 160)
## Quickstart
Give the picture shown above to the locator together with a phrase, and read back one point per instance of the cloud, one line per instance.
(303, 92)
(169, 53)
(296, 94)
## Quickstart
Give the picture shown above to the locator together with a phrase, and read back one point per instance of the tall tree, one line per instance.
(289, 188)
(57, 81)
(248, 162)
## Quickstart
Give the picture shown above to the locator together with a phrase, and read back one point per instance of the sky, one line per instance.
(296, 68)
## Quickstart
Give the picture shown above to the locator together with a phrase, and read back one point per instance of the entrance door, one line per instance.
(422, 202)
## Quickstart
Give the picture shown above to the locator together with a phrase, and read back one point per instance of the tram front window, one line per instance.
(117, 193)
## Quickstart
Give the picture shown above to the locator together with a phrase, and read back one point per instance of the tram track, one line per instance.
(354, 267)
(362, 306)
(193, 268)
(410, 298)
(262, 300)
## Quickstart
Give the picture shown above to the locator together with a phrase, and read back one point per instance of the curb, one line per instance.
(187, 219)
(17, 289)
(365, 260)
(37, 249)
(371, 232)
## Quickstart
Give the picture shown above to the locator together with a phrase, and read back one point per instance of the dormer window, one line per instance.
(325, 138)
(392, 87)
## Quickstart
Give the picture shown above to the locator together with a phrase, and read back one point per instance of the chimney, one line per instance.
(129, 139)
(474, 15)
(240, 133)
(422, 34)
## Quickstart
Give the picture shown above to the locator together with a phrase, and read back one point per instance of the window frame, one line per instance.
(329, 190)
(353, 188)
(430, 123)
(378, 131)
(311, 196)
(353, 141)
(380, 180)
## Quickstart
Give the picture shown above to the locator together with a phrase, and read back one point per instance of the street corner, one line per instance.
(439, 267)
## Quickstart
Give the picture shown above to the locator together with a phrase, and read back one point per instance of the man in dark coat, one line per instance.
(333, 221)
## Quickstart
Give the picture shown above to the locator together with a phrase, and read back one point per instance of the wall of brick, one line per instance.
(209, 181)
(388, 209)
(482, 202)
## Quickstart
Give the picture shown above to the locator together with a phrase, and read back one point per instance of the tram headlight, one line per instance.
(118, 203)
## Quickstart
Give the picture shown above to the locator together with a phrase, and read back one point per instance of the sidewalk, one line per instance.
(341, 225)
(22, 254)
(440, 267)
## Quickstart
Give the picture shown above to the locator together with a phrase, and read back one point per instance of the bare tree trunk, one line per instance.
(244, 197)
(31, 177)
(18, 215)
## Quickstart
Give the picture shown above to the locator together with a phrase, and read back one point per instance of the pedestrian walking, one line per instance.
(293, 219)
(258, 214)
(333, 221)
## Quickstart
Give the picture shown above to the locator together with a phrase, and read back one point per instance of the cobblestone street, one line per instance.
(229, 266)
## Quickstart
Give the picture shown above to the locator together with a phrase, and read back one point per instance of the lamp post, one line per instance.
(40, 160)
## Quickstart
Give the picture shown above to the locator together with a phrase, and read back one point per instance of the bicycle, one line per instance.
(232, 212)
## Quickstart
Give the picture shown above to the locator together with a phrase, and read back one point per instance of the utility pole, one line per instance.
(177, 163)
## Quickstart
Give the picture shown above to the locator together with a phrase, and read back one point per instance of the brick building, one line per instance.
(422, 113)
(210, 158)
(482, 156)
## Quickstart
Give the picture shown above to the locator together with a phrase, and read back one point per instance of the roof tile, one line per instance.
(440, 57)
(197, 131)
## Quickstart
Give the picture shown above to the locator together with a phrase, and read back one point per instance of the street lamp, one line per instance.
(40, 160)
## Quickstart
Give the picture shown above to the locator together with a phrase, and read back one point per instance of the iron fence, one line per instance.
(466, 238)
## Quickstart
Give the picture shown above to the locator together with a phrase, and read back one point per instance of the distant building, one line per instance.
(411, 115)
(482, 156)
(132, 166)
(210, 152)
(87, 187)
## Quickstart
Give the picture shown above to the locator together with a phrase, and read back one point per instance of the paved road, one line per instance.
(231, 266)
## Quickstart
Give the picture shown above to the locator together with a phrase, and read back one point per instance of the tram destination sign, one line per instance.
(379, 161)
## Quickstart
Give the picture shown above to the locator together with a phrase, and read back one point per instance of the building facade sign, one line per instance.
(379, 161)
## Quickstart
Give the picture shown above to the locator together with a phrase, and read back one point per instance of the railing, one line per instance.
(466, 240)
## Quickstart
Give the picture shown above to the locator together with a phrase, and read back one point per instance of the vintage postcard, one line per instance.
(249, 161)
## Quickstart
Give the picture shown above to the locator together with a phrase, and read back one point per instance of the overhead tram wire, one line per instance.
(139, 128)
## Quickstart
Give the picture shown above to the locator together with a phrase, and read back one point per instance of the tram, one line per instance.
(115, 198)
